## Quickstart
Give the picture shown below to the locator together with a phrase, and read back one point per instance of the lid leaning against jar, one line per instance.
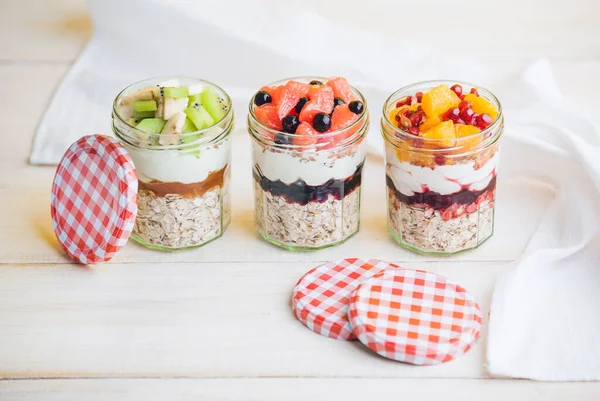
(94, 199)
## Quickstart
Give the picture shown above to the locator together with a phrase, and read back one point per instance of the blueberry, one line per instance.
(356, 106)
(261, 98)
(283, 139)
(337, 102)
(301, 104)
(315, 82)
(290, 123)
(321, 122)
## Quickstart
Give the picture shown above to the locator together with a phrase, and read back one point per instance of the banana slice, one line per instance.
(150, 93)
(173, 106)
(170, 133)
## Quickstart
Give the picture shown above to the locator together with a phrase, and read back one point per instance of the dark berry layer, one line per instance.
(302, 193)
(438, 201)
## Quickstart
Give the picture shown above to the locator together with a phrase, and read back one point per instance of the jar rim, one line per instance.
(266, 132)
(491, 133)
(200, 141)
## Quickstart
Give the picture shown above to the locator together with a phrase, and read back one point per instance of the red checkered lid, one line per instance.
(320, 299)
(94, 199)
(414, 316)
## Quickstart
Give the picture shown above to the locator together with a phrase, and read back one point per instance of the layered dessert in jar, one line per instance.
(308, 153)
(441, 142)
(178, 134)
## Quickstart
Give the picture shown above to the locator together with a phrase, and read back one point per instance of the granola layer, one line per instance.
(311, 225)
(174, 221)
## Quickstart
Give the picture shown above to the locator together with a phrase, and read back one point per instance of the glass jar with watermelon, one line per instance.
(308, 153)
(178, 134)
(442, 141)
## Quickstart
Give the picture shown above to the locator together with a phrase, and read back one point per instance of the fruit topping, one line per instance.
(481, 105)
(356, 106)
(283, 139)
(290, 123)
(321, 122)
(306, 135)
(438, 100)
(341, 89)
(300, 104)
(172, 109)
(176, 93)
(288, 96)
(262, 97)
(267, 114)
(309, 110)
(444, 114)
(213, 104)
(321, 102)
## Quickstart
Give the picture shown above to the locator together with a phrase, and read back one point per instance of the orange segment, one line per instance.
(444, 133)
(429, 123)
(481, 105)
(463, 131)
(438, 100)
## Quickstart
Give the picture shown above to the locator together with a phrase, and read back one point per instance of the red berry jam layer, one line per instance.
(302, 193)
(438, 201)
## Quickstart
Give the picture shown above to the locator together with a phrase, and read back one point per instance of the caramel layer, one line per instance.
(193, 190)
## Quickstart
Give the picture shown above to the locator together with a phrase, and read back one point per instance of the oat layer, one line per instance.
(173, 221)
(423, 228)
(310, 226)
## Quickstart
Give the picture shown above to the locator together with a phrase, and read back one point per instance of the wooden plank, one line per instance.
(293, 389)
(197, 320)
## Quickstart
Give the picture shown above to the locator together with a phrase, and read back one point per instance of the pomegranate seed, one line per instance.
(418, 143)
(484, 121)
(474, 120)
(460, 121)
(474, 91)
(414, 131)
(466, 114)
(464, 105)
(457, 89)
(452, 114)
(419, 96)
(397, 117)
(403, 102)
(417, 118)
(440, 160)
(462, 97)
(409, 113)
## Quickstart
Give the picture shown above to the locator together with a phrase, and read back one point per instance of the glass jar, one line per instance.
(440, 192)
(183, 195)
(307, 196)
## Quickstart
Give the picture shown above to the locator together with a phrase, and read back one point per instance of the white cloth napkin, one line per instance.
(542, 323)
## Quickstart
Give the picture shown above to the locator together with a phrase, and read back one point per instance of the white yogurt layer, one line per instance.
(445, 180)
(177, 165)
(287, 168)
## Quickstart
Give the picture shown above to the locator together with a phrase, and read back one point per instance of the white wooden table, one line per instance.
(215, 323)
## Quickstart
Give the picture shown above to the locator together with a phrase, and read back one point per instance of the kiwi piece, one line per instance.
(197, 98)
(175, 93)
(213, 103)
(139, 115)
(151, 126)
(199, 116)
(188, 127)
(144, 105)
